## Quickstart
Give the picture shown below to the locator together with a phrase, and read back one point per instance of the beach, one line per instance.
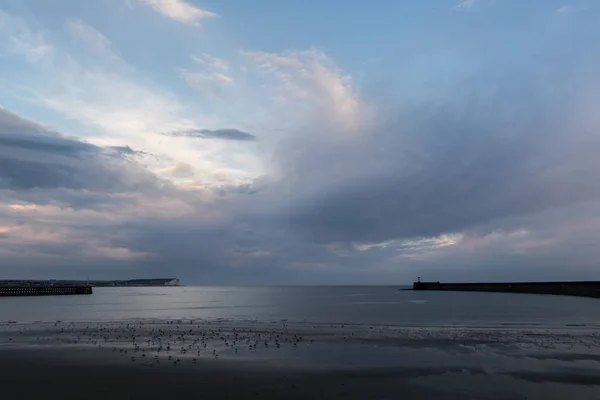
(233, 359)
(334, 199)
(40, 374)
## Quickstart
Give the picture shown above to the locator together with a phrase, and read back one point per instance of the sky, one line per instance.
(303, 142)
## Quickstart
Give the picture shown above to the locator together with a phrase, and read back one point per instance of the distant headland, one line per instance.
(95, 283)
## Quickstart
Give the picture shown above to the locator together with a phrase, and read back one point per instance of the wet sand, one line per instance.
(41, 374)
(237, 360)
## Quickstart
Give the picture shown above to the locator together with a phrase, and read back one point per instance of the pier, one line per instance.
(45, 290)
(568, 288)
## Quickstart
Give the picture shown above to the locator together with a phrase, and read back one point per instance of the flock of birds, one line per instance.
(156, 342)
(175, 341)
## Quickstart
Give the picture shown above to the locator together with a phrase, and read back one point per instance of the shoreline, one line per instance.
(274, 360)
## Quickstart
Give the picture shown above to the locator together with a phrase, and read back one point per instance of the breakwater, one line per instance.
(572, 288)
(45, 290)
(97, 283)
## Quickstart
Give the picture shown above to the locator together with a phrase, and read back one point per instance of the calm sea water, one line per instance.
(368, 304)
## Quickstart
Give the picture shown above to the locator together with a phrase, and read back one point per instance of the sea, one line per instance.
(464, 344)
(389, 305)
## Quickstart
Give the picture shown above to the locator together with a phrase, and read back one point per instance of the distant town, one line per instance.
(95, 283)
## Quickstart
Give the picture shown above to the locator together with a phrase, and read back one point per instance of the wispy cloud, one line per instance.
(213, 62)
(209, 75)
(19, 39)
(95, 42)
(311, 79)
(179, 10)
(214, 82)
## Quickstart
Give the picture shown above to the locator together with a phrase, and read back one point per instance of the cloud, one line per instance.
(212, 62)
(116, 253)
(215, 83)
(32, 156)
(447, 176)
(95, 42)
(431, 169)
(125, 150)
(226, 134)
(57, 243)
(79, 83)
(64, 201)
(210, 77)
(19, 39)
(494, 176)
(309, 83)
(182, 170)
(179, 10)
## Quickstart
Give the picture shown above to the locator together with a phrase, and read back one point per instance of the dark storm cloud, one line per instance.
(225, 134)
(530, 146)
(53, 144)
(33, 157)
(231, 252)
(22, 174)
